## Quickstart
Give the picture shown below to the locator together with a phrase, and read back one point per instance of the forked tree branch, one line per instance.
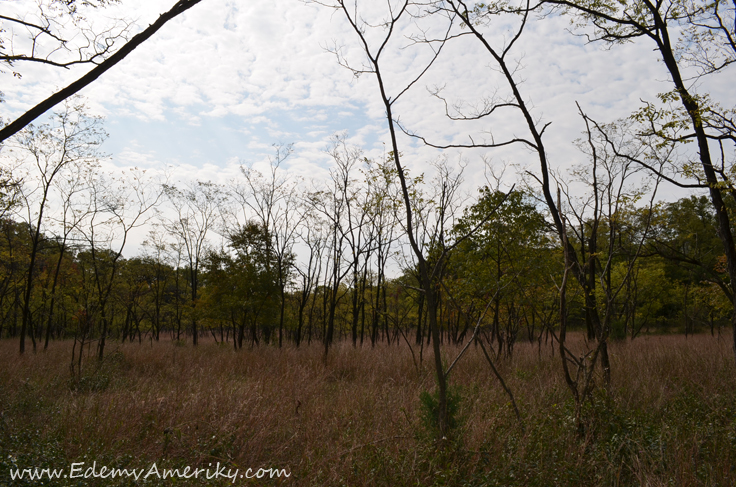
(35, 112)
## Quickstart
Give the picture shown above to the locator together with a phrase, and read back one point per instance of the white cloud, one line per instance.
(262, 65)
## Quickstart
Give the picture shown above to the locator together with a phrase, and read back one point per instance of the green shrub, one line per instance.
(429, 410)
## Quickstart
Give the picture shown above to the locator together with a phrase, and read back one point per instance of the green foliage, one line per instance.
(506, 258)
(429, 411)
(242, 287)
(9, 191)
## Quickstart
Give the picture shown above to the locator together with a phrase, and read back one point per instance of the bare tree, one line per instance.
(601, 215)
(10, 186)
(197, 210)
(707, 43)
(71, 138)
(58, 34)
(175, 253)
(272, 201)
(159, 254)
(312, 236)
(119, 204)
(353, 200)
(374, 37)
(373, 53)
(104, 65)
(330, 203)
(383, 207)
(73, 212)
(474, 22)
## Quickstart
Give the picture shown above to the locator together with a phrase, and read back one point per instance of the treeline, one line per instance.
(269, 259)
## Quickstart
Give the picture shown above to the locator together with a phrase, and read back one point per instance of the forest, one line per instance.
(658, 268)
(549, 325)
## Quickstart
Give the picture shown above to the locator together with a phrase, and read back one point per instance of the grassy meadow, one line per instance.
(355, 418)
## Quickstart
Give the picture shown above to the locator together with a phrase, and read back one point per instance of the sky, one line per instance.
(219, 85)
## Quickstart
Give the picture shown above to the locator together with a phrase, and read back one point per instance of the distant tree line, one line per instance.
(268, 259)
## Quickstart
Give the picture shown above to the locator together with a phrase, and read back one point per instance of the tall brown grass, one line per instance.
(354, 418)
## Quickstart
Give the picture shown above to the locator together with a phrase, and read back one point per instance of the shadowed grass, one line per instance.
(355, 419)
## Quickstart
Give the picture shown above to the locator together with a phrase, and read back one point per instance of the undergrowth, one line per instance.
(365, 416)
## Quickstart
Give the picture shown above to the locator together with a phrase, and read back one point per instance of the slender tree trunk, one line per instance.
(694, 111)
(354, 321)
(194, 311)
(420, 309)
(26, 324)
(442, 419)
(282, 295)
(362, 303)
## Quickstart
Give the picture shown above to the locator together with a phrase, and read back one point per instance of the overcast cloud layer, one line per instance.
(219, 85)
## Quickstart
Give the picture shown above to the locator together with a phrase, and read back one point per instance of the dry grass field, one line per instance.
(356, 419)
